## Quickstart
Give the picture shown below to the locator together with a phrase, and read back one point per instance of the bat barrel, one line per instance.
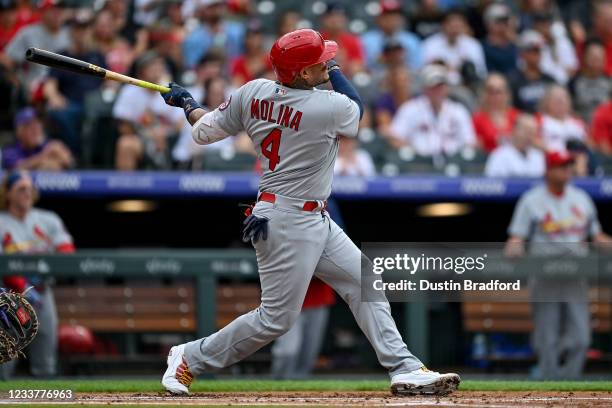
(58, 61)
(54, 60)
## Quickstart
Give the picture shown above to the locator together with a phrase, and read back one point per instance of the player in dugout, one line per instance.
(29, 230)
(557, 219)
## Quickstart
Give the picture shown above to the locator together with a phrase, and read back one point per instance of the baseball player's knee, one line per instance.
(277, 321)
(580, 341)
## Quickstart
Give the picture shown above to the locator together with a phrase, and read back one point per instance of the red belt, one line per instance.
(308, 205)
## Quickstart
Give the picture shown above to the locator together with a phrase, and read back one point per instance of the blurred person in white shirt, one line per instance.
(519, 157)
(432, 124)
(455, 48)
(145, 123)
(353, 161)
(558, 55)
(558, 123)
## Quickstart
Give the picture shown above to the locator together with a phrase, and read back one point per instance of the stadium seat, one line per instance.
(227, 160)
(408, 162)
(468, 161)
(604, 162)
(374, 144)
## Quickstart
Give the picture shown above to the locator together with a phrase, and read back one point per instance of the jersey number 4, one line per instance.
(270, 146)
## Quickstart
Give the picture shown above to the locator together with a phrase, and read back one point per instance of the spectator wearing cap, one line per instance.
(390, 25)
(426, 18)
(500, 50)
(591, 86)
(601, 127)
(398, 89)
(146, 124)
(49, 34)
(432, 124)
(527, 81)
(255, 62)
(495, 118)
(558, 123)
(65, 95)
(518, 157)
(457, 50)
(334, 27)
(212, 31)
(32, 150)
(558, 54)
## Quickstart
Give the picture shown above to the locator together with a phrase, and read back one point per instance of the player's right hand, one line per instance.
(177, 95)
(254, 228)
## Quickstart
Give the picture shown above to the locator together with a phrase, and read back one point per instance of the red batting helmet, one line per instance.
(297, 50)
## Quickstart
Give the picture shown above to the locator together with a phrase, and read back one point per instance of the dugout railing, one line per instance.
(200, 302)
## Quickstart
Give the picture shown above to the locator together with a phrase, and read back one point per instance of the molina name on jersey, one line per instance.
(286, 117)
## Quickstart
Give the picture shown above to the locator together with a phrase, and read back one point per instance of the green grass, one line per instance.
(122, 385)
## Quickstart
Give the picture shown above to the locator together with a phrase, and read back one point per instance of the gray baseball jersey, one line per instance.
(294, 133)
(543, 217)
(41, 231)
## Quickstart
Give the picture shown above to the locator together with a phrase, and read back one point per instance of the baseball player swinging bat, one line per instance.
(294, 128)
(58, 61)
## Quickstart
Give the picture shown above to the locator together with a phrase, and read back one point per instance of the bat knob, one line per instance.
(30, 53)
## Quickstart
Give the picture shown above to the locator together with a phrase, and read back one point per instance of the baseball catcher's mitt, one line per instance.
(18, 324)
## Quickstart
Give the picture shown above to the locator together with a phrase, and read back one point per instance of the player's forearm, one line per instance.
(195, 115)
(344, 86)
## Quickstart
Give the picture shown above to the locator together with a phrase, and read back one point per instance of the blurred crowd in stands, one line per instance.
(451, 86)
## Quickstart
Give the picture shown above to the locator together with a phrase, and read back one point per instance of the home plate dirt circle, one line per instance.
(493, 399)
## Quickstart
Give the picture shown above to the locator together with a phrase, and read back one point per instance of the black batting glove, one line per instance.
(254, 228)
(180, 97)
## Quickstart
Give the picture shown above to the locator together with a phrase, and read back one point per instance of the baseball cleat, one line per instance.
(177, 377)
(424, 382)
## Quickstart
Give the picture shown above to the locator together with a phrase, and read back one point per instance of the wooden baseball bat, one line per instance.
(58, 61)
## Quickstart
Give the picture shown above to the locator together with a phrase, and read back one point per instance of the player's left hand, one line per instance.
(254, 228)
(177, 95)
